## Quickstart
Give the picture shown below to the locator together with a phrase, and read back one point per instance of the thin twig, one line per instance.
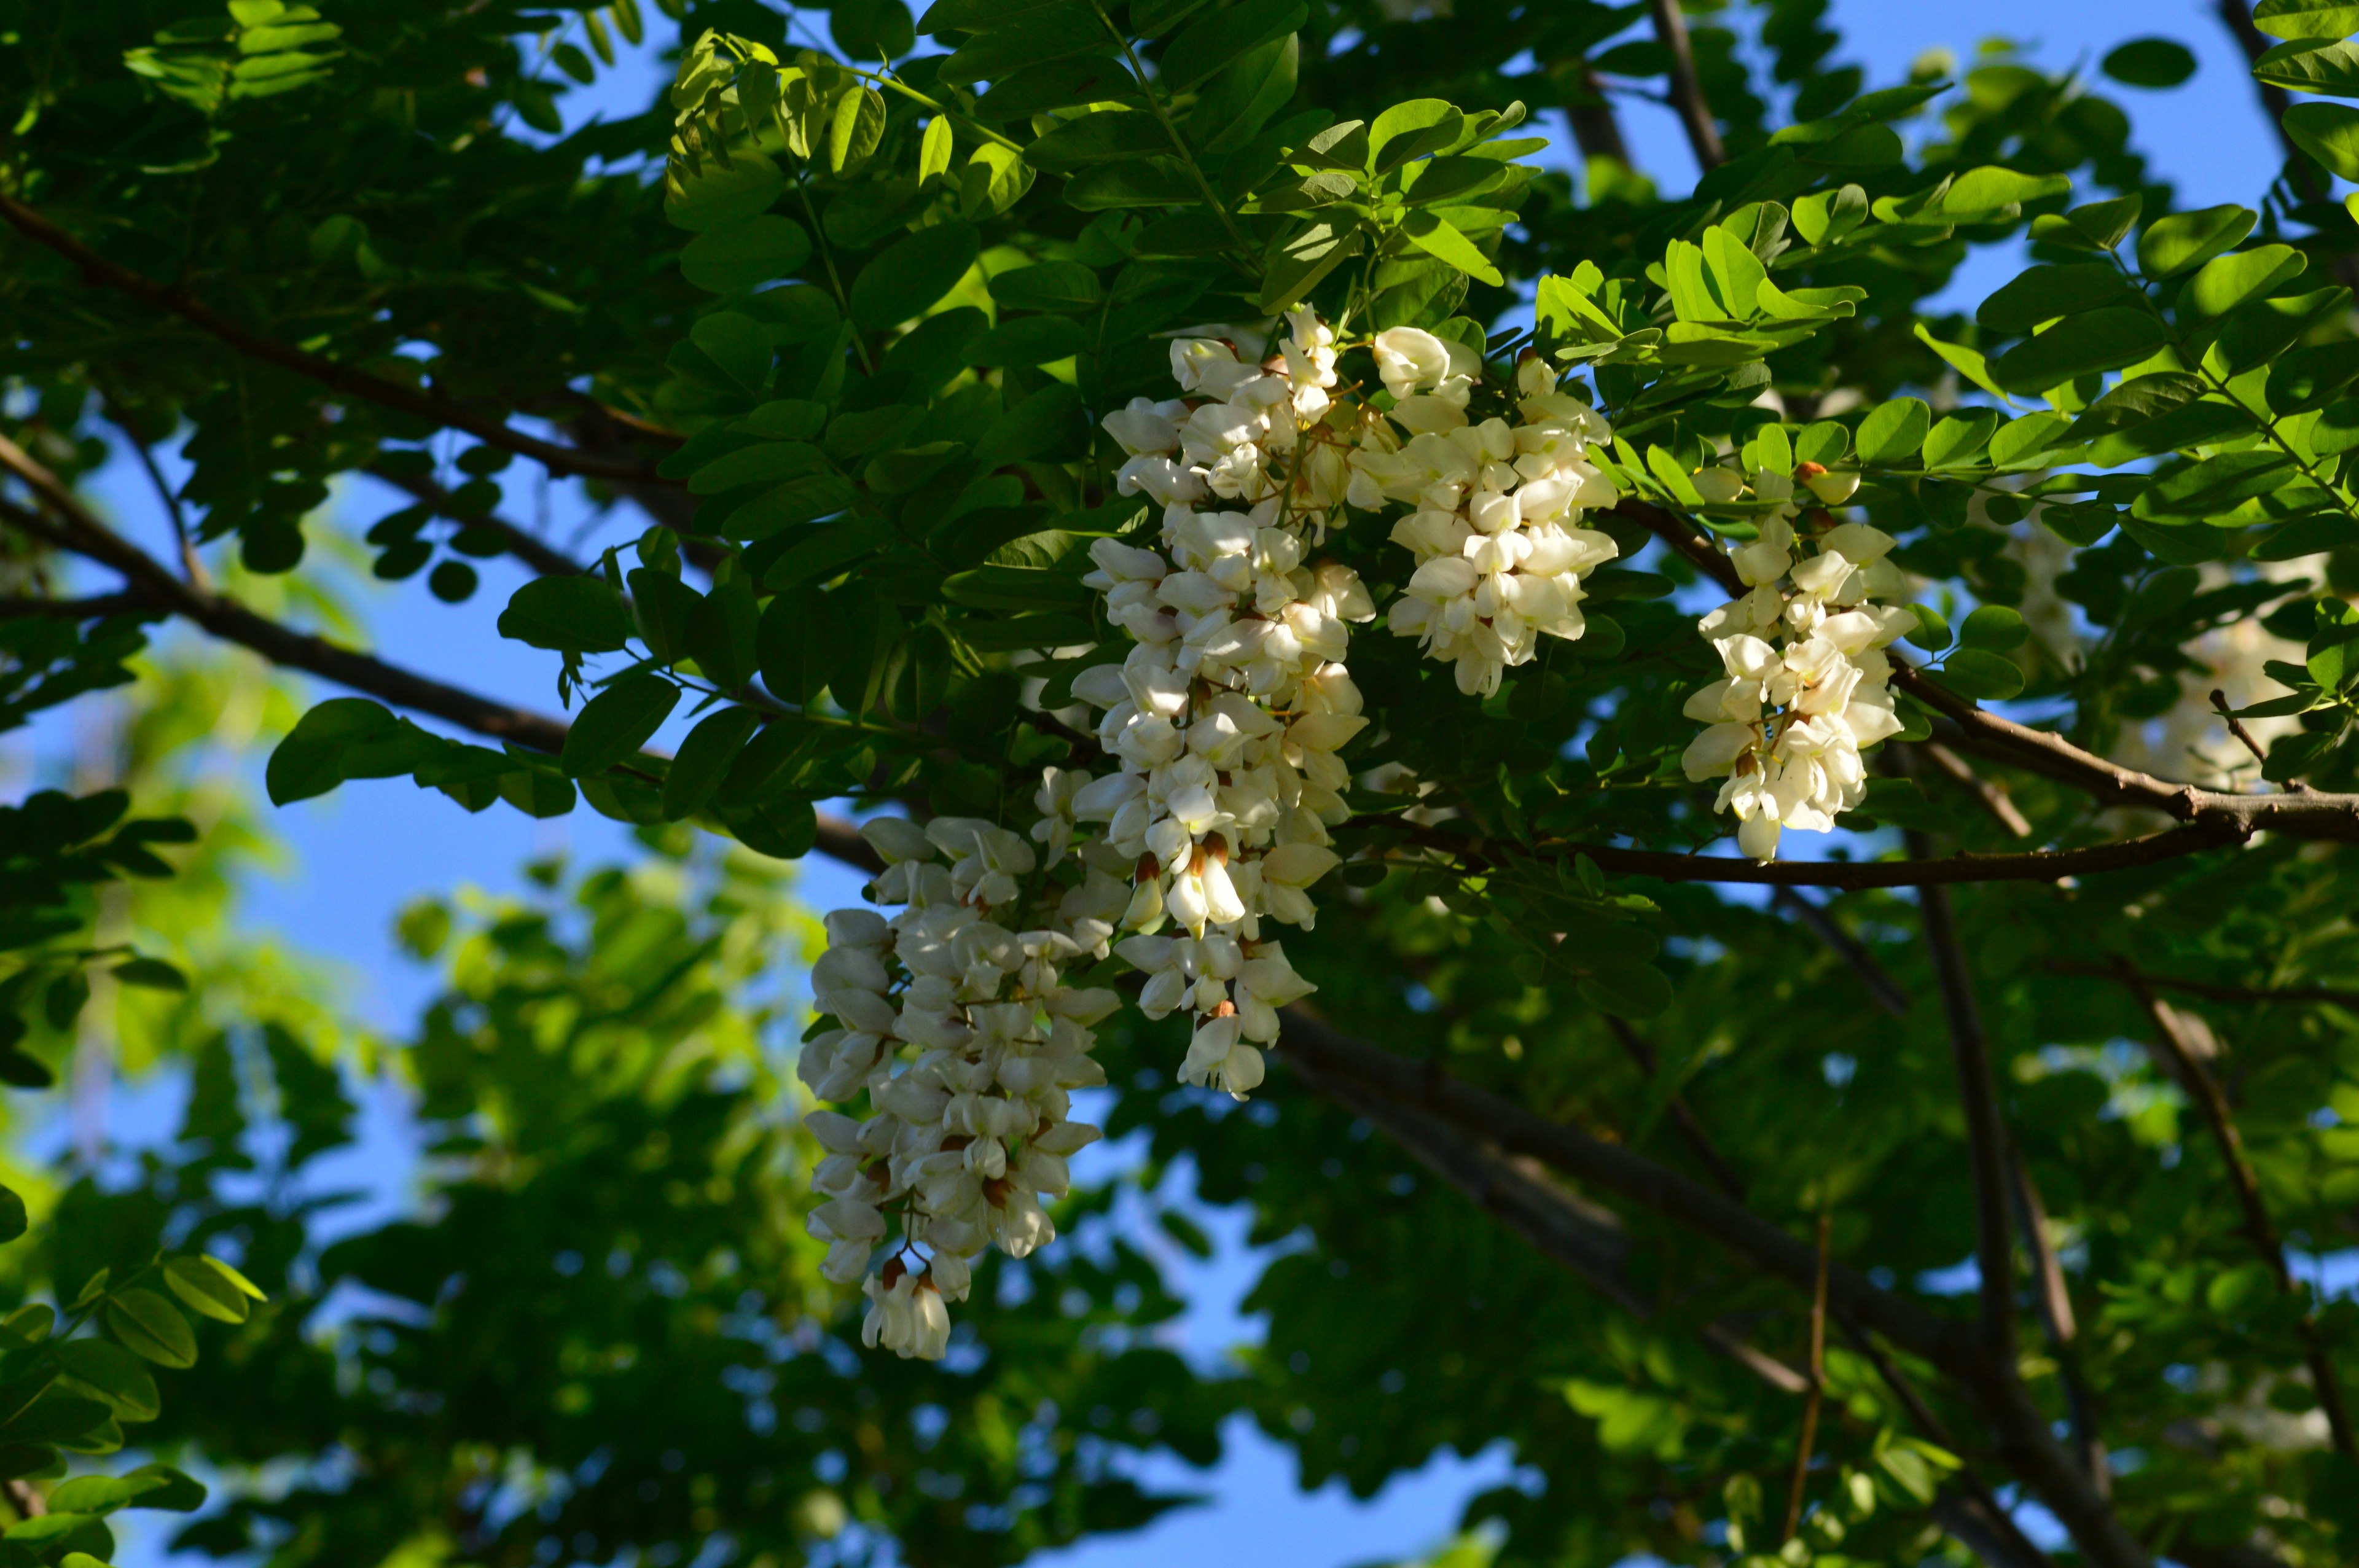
(2236, 727)
(99, 272)
(2212, 1104)
(1990, 796)
(192, 566)
(1986, 1149)
(524, 546)
(2332, 996)
(1686, 92)
(1179, 145)
(1962, 724)
(1889, 994)
(1683, 1120)
(2052, 1297)
(1818, 1390)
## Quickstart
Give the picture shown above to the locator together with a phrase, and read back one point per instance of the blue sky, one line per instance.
(363, 853)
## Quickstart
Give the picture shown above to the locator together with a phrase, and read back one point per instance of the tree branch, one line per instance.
(2213, 1105)
(2034, 866)
(528, 547)
(1684, 1119)
(88, 608)
(1889, 994)
(1992, 798)
(2306, 814)
(1986, 1143)
(2053, 1299)
(2019, 1427)
(1686, 92)
(80, 530)
(99, 272)
(2284, 995)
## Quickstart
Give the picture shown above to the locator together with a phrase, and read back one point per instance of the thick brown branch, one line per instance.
(1686, 92)
(1988, 794)
(99, 272)
(2212, 1104)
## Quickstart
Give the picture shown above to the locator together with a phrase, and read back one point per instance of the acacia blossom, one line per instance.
(1805, 689)
(1500, 552)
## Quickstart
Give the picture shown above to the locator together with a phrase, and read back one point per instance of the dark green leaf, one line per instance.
(1046, 286)
(2311, 65)
(1215, 40)
(2150, 62)
(2044, 293)
(722, 193)
(1029, 341)
(1052, 32)
(150, 1326)
(1995, 628)
(730, 258)
(616, 723)
(1979, 677)
(567, 614)
(1894, 431)
(704, 757)
(2171, 245)
(912, 274)
(2080, 345)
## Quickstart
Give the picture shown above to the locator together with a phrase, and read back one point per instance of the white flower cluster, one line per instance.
(1807, 685)
(964, 1037)
(1225, 716)
(1500, 551)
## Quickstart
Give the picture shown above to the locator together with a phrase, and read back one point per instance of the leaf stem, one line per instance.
(1180, 144)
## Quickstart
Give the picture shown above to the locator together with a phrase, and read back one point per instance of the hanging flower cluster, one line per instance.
(1807, 685)
(953, 1017)
(1224, 721)
(1500, 551)
(1225, 717)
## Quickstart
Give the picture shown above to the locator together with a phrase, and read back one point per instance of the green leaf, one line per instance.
(173, 1490)
(1304, 260)
(150, 1326)
(722, 193)
(2227, 281)
(2098, 226)
(995, 179)
(2150, 62)
(982, 16)
(2025, 439)
(1979, 675)
(1136, 182)
(2327, 132)
(1213, 42)
(200, 1283)
(769, 462)
(1993, 628)
(664, 605)
(567, 614)
(1958, 438)
(345, 738)
(2151, 414)
(730, 258)
(616, 723)
(1411, 130)
(2257, 332)
(854, 129)
(1966, 361)
(912, 274)
(2044, 292)
(2305, 18)
(705, 756)
(13, 1221)
(2311, 378)
(934, 151)
(1039, 34)
(1014, 588)
(2214, 486)
(1894, 430)
(1933, 633)
(2080, 345)
(2172, 244)
(1432, 235)
(1029, 341)
(1048, 285)
(1105, 136)
(115, 1373)
(1049, 418)
(2311, 65)
(153, 974)
(737, 344)
(721, 635)
(1991, 188)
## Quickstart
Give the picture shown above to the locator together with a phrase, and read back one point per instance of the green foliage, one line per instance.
(845, 364)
